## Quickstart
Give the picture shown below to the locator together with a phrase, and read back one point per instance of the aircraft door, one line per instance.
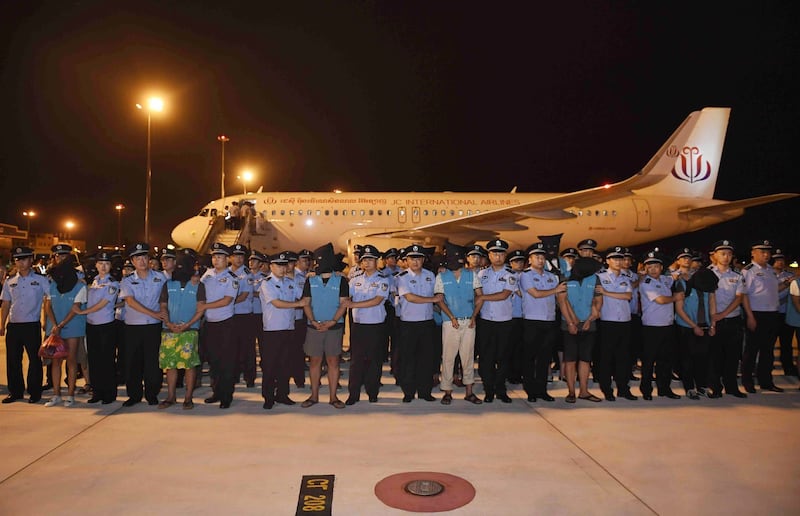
(642, 214)
(401, 214)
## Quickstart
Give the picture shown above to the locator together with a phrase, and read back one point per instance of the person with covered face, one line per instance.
(694, 303)
(368, 293)
(658, 332)
(457, 285)
(23, 295)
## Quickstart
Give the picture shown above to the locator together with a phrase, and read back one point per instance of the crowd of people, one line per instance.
(692, 317)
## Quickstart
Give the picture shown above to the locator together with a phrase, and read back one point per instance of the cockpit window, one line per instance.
(204, 212)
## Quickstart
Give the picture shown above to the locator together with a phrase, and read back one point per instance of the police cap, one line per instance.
(587, 243)
(103, 256)
(239, 249)
(220, 248)
(653, 257)
(498, 245)
(764, 245)
(139, 249)
(369, 251)
(21, 252)
(617, 251)
(279, 258)
(569, 252)
(517, 254)
(720, 245)
(415, 250)
(61, 249)
(537, 248)
(476, 249)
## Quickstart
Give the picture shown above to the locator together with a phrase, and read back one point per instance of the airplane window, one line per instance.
(371, 213)
(291, 212)
(380, 212)
(336, 212)
(425, 212)
(204, 212)
(469, 212)
(605, 213)
(327, 212)
(402, 211)
(452, 213)
(214, 213)
(362, 213)
(477, 212)
(273, 213)
(444, 213)
(283, 212)
(353, 213)
(460, 212)
(588, 213)
(613, 213)
(580, 213)
(597, 213)
(389, 213)
(318, 212)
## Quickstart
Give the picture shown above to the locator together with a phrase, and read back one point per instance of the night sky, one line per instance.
(425, 96)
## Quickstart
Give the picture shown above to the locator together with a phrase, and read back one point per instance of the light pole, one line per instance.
(153, 104)
(245, 177)
(119, 208)
(222, 139)
(29, 215)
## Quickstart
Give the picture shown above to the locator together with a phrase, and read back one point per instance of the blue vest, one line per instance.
(62, 306)
(325, 297)
(580, 296)
(690, 304)
(792, 316)
(182, 304)
(459, 296)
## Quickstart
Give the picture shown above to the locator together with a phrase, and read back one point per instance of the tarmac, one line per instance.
(711, 456)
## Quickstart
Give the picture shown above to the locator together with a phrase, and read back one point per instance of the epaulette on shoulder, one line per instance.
(247, 269)
(748, 266)
(233, 274)
(647, 280)
(358, 273)
(526, 269)
(402, 273)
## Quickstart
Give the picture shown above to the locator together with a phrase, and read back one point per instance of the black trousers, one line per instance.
(142, 343)
(761, 344)
(517, 341)
(725, 351)
(274, 348)
(537, 350)
(694, 358)
(222, 357)
(27, 337)
(417, 354)
(243, 341)
(297, 357)
(102, 350)
(367, 347)
(495, 356)
(657, 345)
(119, 341)
(614, 356)
(785, 335)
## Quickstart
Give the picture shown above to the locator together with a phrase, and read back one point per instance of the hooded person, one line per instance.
(326, 296)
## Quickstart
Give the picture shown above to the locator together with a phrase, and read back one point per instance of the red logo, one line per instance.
(691, 166)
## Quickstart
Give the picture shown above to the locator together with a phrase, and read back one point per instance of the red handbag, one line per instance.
(53, 347)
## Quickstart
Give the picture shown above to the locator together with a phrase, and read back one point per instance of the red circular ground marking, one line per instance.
(392, 491)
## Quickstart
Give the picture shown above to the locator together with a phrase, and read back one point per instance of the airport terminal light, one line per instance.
(69, 225)
(246, 177)
(153, 104)
(222, 139)
(28, 216)
(119, 208)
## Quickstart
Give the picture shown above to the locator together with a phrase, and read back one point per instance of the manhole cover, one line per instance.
(424, 487)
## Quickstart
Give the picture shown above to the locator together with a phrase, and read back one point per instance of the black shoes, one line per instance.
(671, 395)
(153, 401)
(749, 388)
(408, 398)
(532, 399)
(130, 402)
(737, 394)
(351, 401)
(286, 400)
(106, 402)
(212, 399)
(504, 397)
(11, 399)
(428, 397)
(609, 396)
(488, 398)
(225, 404)
(628, 396)
(94, 400)
(373, 399)
(647, 397)
(547, 397)
(268, 404)
(773, 388)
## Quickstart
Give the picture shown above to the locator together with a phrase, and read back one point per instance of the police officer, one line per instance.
(761, 305)
(493, 299)
(141, 291)
(726, 345)
(243, 337)
(658, 333)
(786, 331)
(368, 292)
(415, 290)
(22, 296)
(278, 301)
(615, 331)
(566, 260)
(259, 269)
(296, 272)
(539, 288)
(222, 289)
(168, 260)
(101, 331)
(586, 248)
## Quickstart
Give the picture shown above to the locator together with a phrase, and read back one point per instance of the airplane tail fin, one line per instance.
(687, 165)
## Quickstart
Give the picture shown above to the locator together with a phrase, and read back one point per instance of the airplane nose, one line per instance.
(186, 234)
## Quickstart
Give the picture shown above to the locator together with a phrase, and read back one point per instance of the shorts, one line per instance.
(578, 347)
(178, 350)
(327, 342)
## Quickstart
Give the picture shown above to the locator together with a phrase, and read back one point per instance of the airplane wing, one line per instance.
(736, 205)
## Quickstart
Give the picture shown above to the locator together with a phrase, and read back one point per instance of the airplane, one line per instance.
(671, 195)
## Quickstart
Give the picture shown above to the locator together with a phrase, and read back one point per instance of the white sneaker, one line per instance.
(55, 400)
(69, 401)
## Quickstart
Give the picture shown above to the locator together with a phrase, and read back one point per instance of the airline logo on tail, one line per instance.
(690, 165)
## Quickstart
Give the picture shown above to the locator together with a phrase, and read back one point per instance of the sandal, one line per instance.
(166, 404)
(309, 402)
(447, 399)
(339, 404)
(570, 398)
(188, 405)
(473, 399)
(590, 397)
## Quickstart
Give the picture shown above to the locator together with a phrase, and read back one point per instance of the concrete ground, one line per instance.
(725, 456)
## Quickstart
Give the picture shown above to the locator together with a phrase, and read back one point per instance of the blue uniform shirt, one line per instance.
(245, 280)
(257, 279)
(543, 308)
(783, 295)
(146, 292)
(299, 280)
(26, 294)
(272, 317)
(102, 288)
(654, 314)
(492, 282)
(419, 284)
(218, 286)
(616, 310)
(364, 288)
(761, 287)
(634, 302)
(730, 285)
